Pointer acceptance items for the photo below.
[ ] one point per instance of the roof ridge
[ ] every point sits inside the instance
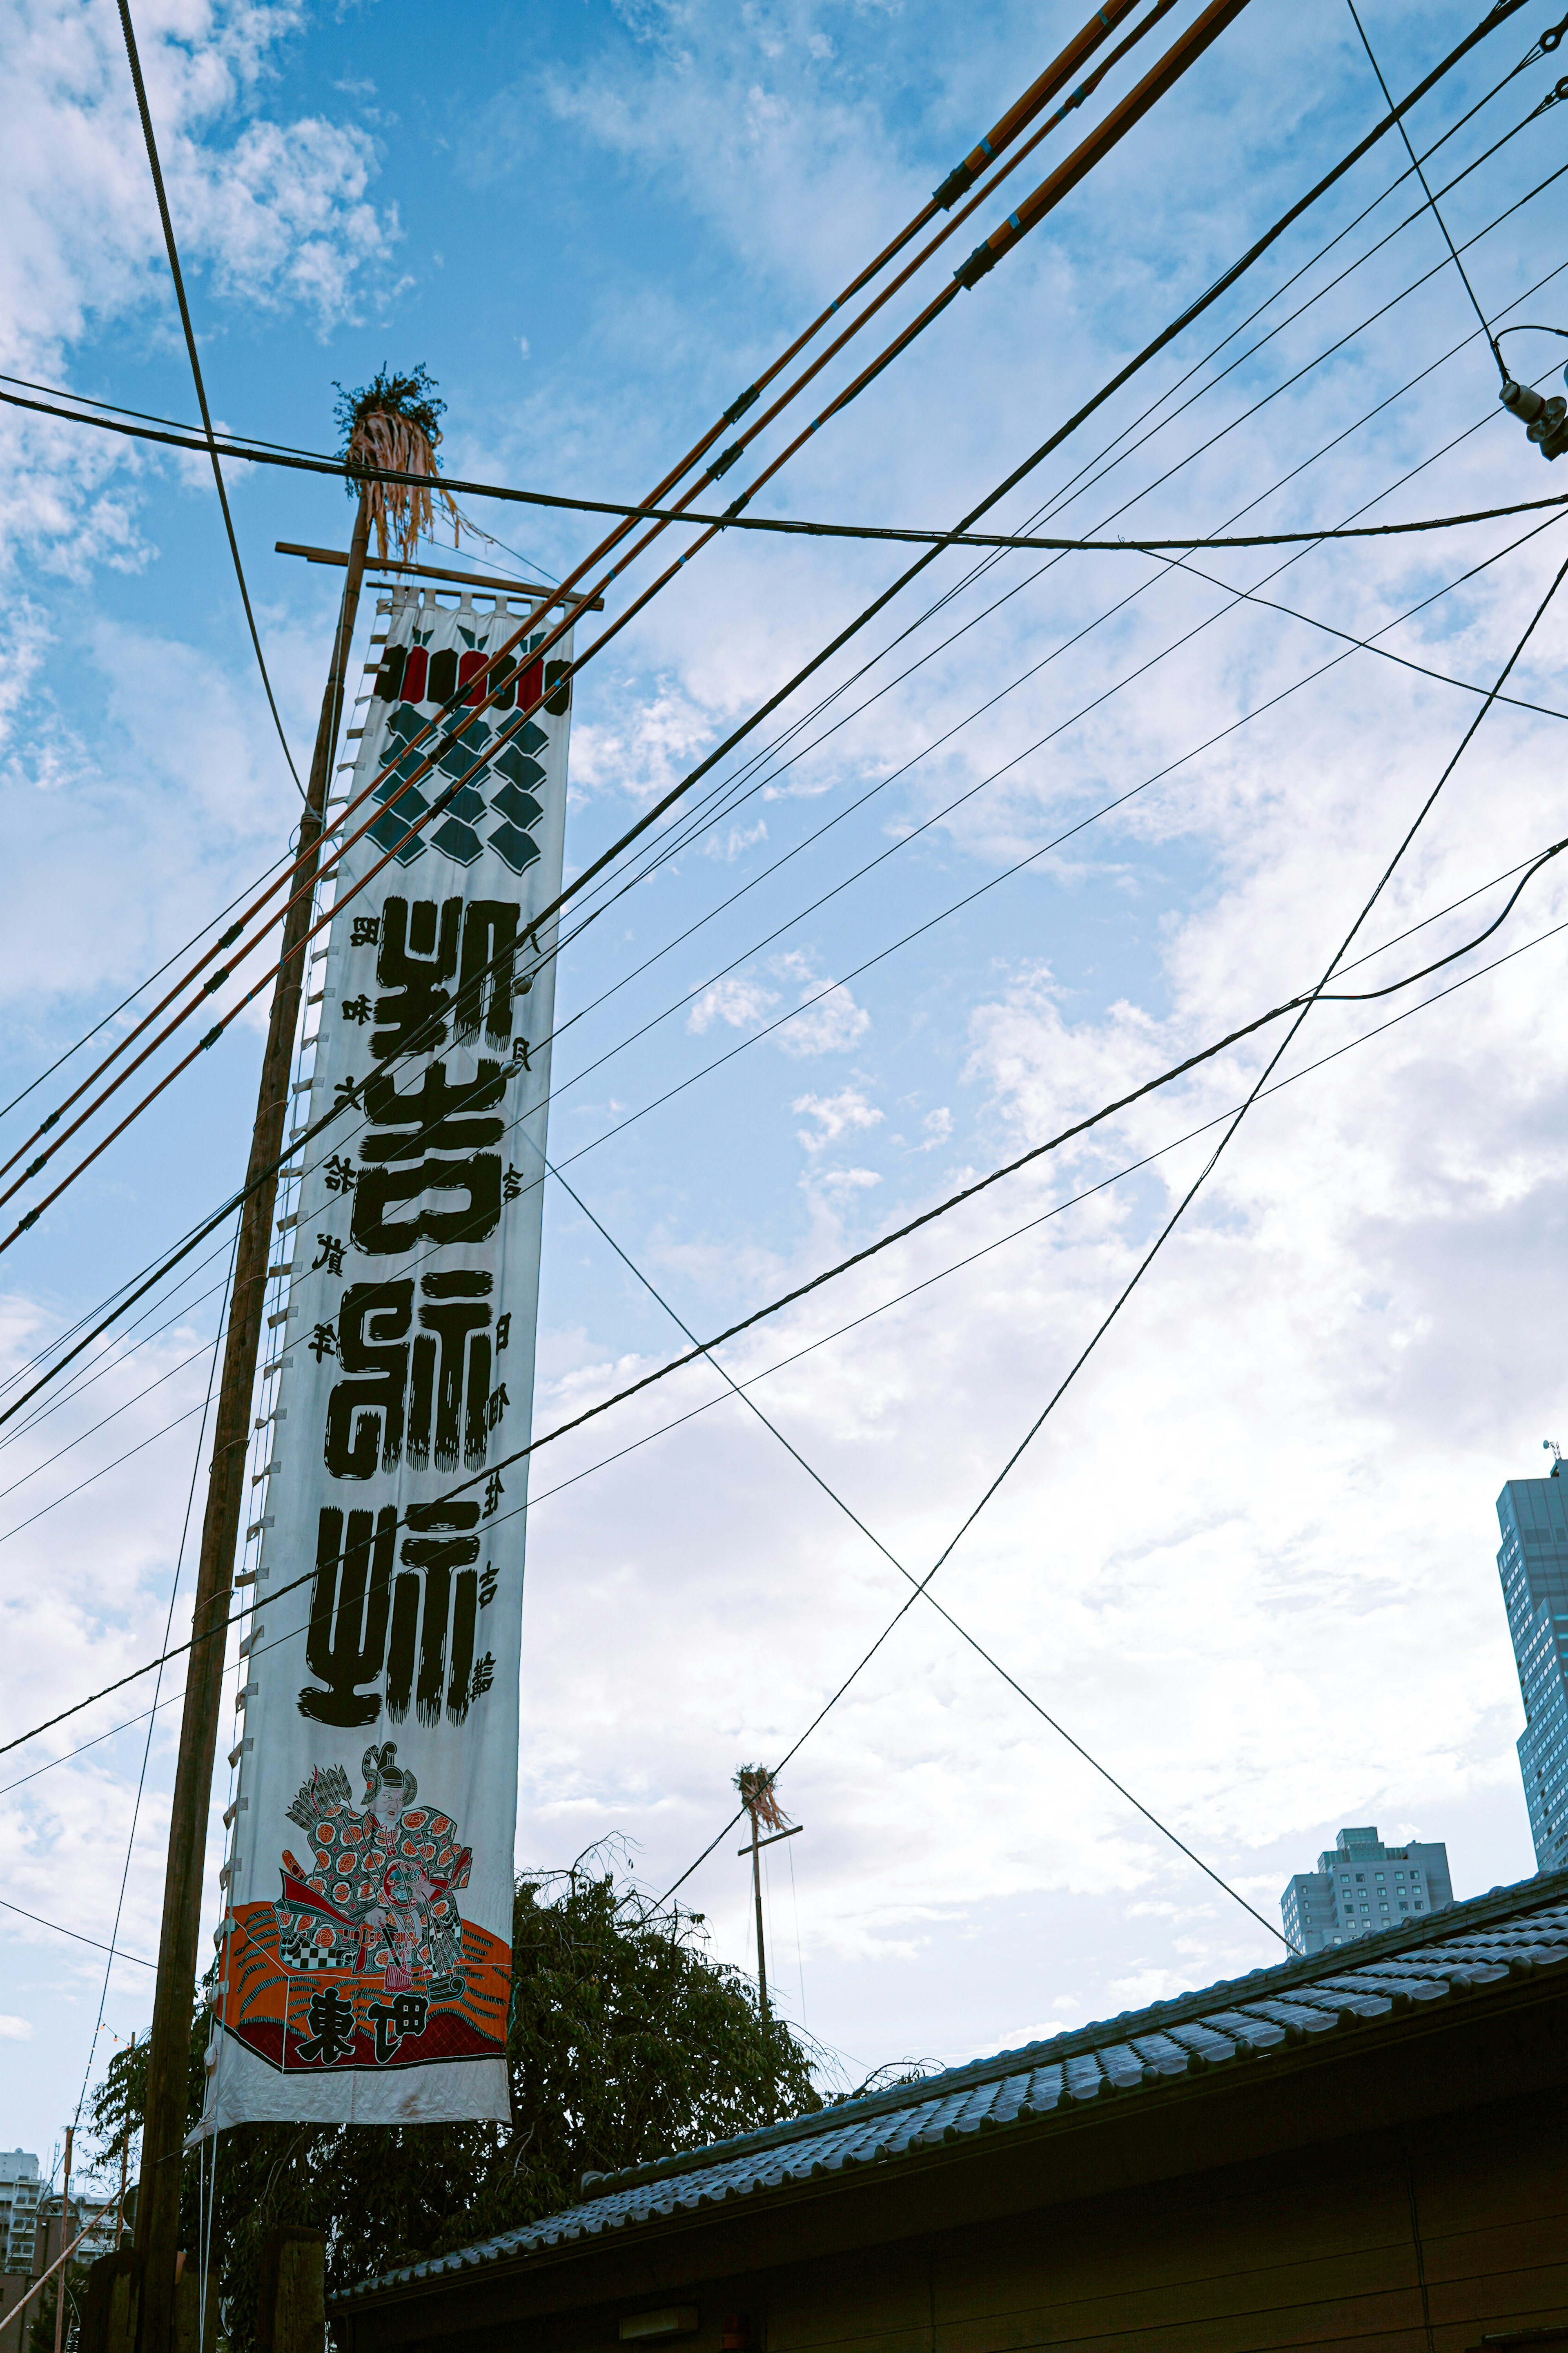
(1301, 1973)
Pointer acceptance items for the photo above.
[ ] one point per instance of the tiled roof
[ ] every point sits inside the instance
(1510, 1933)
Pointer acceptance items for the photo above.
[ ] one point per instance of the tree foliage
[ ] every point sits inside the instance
(626, 2042)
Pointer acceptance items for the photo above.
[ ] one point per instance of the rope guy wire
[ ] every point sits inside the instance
(1163, 1235)
(80, 1939)
(978, 1647)
(168, 1628)
(635, 1445)
(134, 61)
(649, 817)
(1299, 1005)
(1431, 199)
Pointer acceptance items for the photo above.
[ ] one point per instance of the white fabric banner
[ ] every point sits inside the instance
(365, 1949)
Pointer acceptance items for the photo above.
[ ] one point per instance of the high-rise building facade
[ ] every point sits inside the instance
(1533, 1565)
(1363, 1887)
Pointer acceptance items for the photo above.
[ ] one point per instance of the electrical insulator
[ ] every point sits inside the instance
(1545, 421)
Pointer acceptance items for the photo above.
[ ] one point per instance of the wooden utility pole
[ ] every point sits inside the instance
(65, 2240)
(168, 2061)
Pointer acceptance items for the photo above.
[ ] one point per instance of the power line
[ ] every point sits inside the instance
(898, 1299)
(317, 1127)
(209, 443)
(1301, 1005)
(1232, 1126)
(1119, 447)
(147, 1745)
(912, 535)
(1215, 16)
(1230, 276)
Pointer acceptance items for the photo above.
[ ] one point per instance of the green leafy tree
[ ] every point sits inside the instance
(626, 2042)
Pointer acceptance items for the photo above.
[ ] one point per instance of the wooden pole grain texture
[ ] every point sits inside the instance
(168, 2065)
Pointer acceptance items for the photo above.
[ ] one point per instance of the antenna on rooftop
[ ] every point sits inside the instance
(1552, 1447)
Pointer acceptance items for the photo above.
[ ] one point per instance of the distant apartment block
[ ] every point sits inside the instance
(1533, 1565)
(20, 2191)
(1363, 1887)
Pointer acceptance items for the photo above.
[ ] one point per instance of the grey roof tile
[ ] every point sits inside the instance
(1512, 1932)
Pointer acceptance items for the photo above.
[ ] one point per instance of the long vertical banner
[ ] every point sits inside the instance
(365, 1949)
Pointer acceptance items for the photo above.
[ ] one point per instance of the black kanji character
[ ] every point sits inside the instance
(494, 1491)
(356, 1008)
(495, 1405)
(331, 2021)
(504, 1333)
(510, 1183)
(331, 1257)
(339, 1175)
(484, 1676)
(324, 1341)
(520, 1053)
(366, 932)
(406, 2013)
(347, 1093)
(487, 1586)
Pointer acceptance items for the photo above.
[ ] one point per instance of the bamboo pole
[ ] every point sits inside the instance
(65, 2234)
(44, 2277)
(168, 2061)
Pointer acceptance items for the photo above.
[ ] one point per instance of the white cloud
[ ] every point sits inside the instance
(846, 1180)
(835, 1115)
(14, 2030)
(735, 1000)
(729, 846)
(831, 1023)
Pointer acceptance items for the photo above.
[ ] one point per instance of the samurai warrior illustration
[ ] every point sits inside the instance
(381, 1890)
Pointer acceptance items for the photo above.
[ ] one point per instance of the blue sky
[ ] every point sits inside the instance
(1250, 1563)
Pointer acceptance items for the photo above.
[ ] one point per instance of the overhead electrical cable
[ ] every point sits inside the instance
(1002, 133)
(1211, 22)
(147, 1745)
(1305, 538)
(328, 1119)
(1230, 276)
(1006, 542)
(1301, 1006)
(211, 446)
(318, 1126)
(992, 881)
(1166, 1230)
(1000, 1242)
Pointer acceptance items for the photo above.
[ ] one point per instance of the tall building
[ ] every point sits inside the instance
(1363, 1887)
(20, 2189)
(1533, 1565)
